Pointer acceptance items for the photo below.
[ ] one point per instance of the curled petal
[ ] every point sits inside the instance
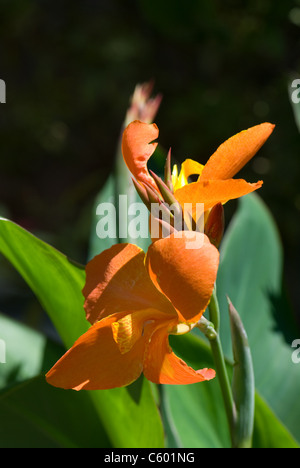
(117, 280)
(184, 267)
(138, 147)
(211, 192)
(95, 362)
(162, 366)
(235, 152)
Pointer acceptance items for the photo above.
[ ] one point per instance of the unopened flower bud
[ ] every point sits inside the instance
(214, 226)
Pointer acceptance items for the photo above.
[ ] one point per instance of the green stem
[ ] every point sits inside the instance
(224, 384)
(209, 330)
(214, 311)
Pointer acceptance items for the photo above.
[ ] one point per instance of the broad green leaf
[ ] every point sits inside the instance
(130, 415)
(55, 279)
(36, 415)
(27, 352)
(196, 413)
(268, 431)
(250, 274)
(106, 195)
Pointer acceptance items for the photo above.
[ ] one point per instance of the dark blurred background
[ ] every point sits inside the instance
(70, 68)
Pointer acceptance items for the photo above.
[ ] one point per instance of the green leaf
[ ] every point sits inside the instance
(27, 352)
(36, 415)
(55, 279)
(106, 195)
(268, 431)
(129, 415)
(250, 274)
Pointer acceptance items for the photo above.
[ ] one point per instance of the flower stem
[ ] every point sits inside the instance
(214, 311)
(210, 332)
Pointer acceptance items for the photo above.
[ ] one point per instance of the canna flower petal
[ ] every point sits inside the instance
(234, 153)
(138, 147)
(95, 362)
(211, 192)
(185, 275)
(117, 280)
(162, 366)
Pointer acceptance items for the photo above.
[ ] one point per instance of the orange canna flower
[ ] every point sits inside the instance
(134, 301)
(215, 183)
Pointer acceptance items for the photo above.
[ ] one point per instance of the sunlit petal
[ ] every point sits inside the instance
(211, 192)
(117, 280)
(184, 268)
(138, 147)
(162, 366)
(95, 361)
(235, 152)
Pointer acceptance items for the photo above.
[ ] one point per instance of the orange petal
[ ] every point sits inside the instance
(96, 363)
(162, 366)
(211, 192)
(137, 149)
(185, 270)
(117, 280)
(232, 155)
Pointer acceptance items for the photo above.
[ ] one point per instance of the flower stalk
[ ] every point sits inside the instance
(210, 332)
(239, 395)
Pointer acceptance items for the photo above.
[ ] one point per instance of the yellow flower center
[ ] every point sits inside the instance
(188, 168)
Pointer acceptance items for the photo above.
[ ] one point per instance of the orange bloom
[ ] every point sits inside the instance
(134, 301)
(215, 182)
